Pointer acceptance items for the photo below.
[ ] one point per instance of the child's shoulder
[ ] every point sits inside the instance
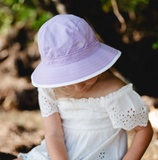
(114, 82)
(109, 83)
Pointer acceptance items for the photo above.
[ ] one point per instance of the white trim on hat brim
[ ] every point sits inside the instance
(81, 79)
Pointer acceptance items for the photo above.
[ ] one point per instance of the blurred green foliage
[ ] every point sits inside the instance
(155, 45)
(131, 5)
(28, 13)
(137, 7)
(125, 5)
(21, 12)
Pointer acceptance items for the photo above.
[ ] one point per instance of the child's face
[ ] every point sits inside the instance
(83, 86)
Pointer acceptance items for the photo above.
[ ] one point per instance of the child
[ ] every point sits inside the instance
(85, 108)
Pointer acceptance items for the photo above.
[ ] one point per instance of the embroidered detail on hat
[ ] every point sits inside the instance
(80, 44)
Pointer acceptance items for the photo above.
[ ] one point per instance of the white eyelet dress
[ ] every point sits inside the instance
(94, 128)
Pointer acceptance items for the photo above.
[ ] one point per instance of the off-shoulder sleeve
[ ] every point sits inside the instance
(128, 109)
(47, 102)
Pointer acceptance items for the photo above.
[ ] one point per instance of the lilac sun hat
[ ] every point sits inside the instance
(70, 53)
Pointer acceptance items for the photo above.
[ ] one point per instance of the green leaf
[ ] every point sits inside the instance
(155, 45)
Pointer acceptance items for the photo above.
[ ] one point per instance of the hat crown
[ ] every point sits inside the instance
(64, 35)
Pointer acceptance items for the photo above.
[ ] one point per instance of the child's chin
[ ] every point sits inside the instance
(83, 90)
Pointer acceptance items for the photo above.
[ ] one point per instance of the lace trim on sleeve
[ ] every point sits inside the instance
(22, 155)
(129, 119)
(47, 103)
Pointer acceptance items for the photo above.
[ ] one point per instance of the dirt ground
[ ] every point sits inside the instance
(22, 130)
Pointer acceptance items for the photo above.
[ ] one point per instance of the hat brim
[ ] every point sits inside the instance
(52, 77)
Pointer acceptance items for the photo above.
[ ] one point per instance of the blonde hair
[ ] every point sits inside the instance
(61, 92)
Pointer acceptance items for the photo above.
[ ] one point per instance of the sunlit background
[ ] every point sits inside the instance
(128, 25)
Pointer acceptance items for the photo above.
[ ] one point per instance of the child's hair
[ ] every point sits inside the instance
(61, 92)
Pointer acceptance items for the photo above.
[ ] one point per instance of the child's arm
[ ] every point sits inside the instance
(54, 137)
(140, 142)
